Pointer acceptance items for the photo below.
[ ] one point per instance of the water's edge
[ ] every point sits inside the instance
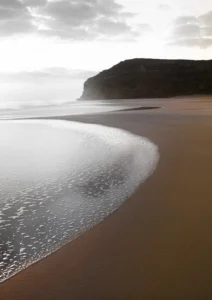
(114, 137)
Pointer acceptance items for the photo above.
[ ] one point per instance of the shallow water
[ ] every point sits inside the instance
(72, 108)
(58, 179)
(75, 108)
(183, 104)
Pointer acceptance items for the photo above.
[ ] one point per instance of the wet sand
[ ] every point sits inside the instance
(158, 245)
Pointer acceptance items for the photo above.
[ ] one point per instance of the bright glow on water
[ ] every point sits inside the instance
(58, 179)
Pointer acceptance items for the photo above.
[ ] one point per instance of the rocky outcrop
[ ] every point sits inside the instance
(150, 78)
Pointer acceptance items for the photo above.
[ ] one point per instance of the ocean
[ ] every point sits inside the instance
(59, 179)
(44, 97)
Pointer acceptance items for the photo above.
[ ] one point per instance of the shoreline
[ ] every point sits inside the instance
(156, 246)
(192, 104)
(130, 161)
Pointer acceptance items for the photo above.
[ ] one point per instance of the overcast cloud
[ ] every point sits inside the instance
(86, 19)
(96, 34)
(98, 20)
(14, 18)
(49, 74)
(69, 19)
(193, 31)
(59, 41)
(164, 7)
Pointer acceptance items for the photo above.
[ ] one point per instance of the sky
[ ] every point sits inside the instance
(45, 40)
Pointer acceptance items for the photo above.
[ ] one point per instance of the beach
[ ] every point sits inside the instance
(158, 244)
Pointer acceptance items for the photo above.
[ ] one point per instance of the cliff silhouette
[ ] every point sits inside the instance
(150, 78)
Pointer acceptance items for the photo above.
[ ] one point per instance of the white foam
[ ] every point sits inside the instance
(59, 179)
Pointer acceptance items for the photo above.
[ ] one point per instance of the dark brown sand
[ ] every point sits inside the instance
(158, 245)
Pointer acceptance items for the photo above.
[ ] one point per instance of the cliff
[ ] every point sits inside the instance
(150, 78)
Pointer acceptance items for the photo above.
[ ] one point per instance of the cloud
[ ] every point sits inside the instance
(11, 4)
(6, 13)
(11, 9)
(68, 19)
(164, 7)
(34, 3)
(48, 74)
(14, 18)
(186, 20)
(17, 26)
(208, 31)
(193, 31)
(143, 28)
(187, 30)
(86, 19)
(193, 42)
(206, 18)
(109, 27)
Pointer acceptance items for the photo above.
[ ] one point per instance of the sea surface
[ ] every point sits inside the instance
(78, 107)
(59, 179)
(72, 108)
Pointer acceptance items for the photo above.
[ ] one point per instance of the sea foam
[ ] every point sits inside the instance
(59, 179)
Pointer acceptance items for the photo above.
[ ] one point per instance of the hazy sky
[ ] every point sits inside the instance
(48, 48)
(95, 34)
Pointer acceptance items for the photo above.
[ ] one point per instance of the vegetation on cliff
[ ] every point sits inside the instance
(150, 78)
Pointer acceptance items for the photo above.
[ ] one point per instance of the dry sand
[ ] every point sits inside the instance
(158, 245)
